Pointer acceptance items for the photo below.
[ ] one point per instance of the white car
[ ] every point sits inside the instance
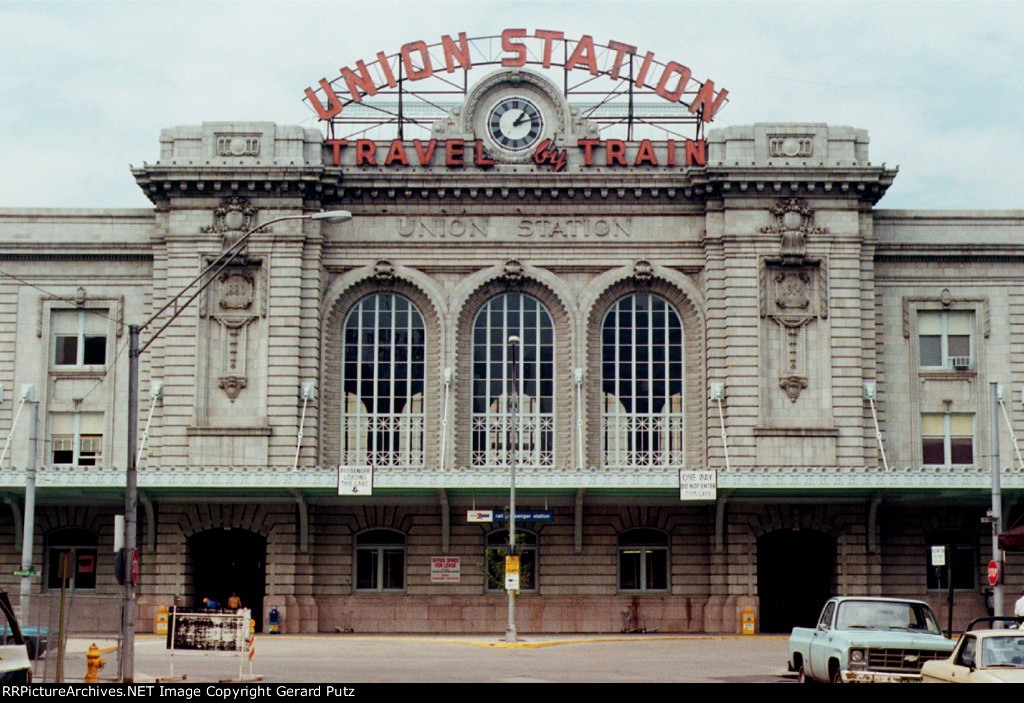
(982, 656)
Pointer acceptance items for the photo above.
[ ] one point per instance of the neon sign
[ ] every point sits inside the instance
(416, 61)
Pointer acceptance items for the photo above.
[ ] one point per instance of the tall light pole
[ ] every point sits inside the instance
(513, 409)
(135, 350)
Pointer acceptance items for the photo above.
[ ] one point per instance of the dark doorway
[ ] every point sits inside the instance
(794, 577)
(230, 560)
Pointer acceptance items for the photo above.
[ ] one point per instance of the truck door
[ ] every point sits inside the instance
(821, 644)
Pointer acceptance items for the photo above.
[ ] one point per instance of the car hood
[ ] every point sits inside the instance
(898, 638)
(1015, 675)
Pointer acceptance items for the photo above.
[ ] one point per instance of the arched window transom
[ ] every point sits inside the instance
(642, 410)
(382, 383)
(513, 314)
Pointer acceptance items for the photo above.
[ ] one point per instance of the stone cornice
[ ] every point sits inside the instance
(161, 183)
(344, 183)
(766, 478)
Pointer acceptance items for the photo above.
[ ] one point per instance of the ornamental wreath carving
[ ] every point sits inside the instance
(794, 289)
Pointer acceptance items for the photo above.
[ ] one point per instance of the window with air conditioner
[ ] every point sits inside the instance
(76, 439)
(944, 339)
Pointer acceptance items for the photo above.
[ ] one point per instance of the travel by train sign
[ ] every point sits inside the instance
(459, 152)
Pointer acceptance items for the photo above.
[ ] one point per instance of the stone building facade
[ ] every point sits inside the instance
(735, 315)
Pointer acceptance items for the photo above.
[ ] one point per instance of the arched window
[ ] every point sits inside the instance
(380, 560)
(513, 314)
(71, 554)
(497, 550)
(642, 414)
(643, 560)
(382, 382)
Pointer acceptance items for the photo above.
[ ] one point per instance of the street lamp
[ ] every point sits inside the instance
(513, 446)
(209, 273)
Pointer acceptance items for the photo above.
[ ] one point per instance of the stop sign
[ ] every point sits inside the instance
(993, 573)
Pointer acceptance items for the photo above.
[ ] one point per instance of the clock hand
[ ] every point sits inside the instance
(519, 120)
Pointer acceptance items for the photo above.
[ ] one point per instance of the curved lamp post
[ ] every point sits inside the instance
(187, 294)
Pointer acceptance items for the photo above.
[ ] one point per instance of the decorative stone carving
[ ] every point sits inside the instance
(790, 146)
(643, 271)
(232, 386)
(238, 144)
(237, 289)
(383, 270)
(793, 222)
(234, 303)
(794, 290)
(233, 217)
(79, 297)
(513, 271)
(793, 385)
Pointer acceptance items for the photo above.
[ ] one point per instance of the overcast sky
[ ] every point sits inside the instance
(85, 87)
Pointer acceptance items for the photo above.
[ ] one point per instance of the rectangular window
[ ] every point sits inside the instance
(947, 439)
(944, 339)
(79, 338)
(76, 439)
(643, 569)
(380, 569)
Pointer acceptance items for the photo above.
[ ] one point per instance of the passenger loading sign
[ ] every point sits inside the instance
(698, 485)
(355, 480)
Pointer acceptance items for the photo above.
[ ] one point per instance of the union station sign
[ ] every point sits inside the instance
(518, 115)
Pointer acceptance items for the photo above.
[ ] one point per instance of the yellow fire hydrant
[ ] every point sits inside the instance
(93, 663)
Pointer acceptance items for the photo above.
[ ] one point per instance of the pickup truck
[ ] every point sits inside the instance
(860, 639)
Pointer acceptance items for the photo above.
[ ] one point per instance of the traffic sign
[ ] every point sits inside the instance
(993, 573)
(30, 572)
(512, 573)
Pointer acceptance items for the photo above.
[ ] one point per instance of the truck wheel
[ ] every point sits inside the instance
(802, 677)
(837, 675)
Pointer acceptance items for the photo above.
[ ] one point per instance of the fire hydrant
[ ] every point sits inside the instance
(93, 663)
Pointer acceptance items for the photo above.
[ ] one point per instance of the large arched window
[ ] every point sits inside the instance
(513, 314)
(642, 414)
(382, 382)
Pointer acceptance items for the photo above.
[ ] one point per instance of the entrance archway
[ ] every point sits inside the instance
(794, 577)
(229, 560)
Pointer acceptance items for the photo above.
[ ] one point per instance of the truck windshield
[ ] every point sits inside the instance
(1006, 650)
(885, 615)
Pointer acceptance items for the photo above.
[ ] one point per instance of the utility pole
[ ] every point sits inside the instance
(135, 349)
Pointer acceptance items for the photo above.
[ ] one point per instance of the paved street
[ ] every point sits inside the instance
(347, 659)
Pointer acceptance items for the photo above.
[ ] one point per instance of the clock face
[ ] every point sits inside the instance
(515, 124)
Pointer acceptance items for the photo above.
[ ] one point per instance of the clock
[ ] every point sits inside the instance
(512, 112)
(515, 123)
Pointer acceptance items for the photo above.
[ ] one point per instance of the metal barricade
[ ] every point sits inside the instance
(59, 634)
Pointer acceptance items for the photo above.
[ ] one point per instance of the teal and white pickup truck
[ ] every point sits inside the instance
(860, 639)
